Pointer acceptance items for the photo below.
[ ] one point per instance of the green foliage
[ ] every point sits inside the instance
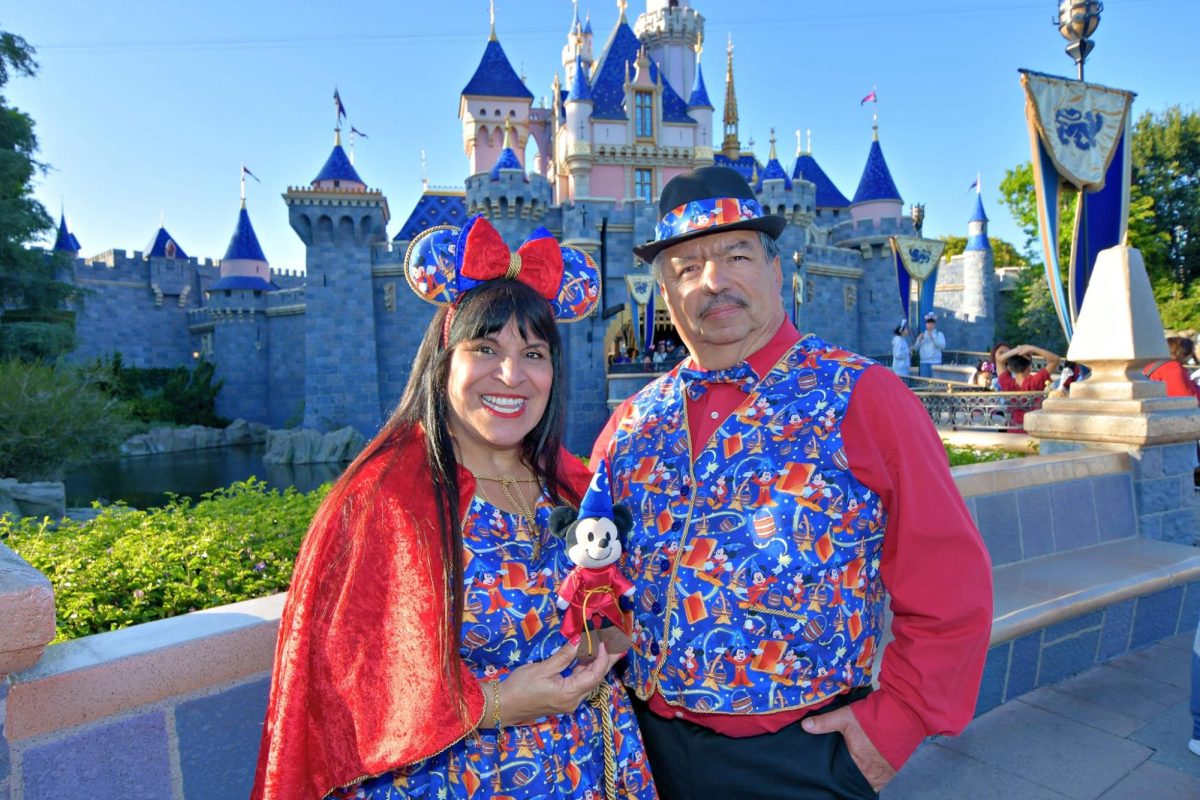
(35, 341)
(1166, 167)
(126, 567)
(1004, 254)
(961, 456)
(28, 278)
(177, 395)
(51, 417)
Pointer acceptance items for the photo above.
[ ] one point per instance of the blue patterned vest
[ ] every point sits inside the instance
(756, 564)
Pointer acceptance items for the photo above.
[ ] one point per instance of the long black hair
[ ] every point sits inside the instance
(424, 409)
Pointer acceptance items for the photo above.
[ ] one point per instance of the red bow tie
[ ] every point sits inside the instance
(538, 263)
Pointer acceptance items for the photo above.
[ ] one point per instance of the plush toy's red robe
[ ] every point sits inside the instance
(358, 687)
(597, 589)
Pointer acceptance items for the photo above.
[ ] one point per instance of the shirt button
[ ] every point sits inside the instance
(678, 715)
(713, 415)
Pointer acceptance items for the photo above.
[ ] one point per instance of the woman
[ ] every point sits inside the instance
(419, 651)
(901, 354)
(1172, 371)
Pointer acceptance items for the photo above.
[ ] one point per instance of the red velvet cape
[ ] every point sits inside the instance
(358, 688)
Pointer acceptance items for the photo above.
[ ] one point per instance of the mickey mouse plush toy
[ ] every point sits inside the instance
(590, 594)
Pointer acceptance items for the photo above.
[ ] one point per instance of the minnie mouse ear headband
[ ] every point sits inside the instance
(703, 201)
(444, 263)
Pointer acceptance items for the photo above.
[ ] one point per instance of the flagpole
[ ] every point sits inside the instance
(243, 185)
(352, 145)
(978, 183)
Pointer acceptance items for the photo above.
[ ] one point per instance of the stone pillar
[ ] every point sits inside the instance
(1119, 331)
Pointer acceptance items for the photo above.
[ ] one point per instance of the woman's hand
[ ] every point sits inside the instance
(539, 689)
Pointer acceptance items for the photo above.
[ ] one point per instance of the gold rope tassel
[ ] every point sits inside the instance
(601, 700)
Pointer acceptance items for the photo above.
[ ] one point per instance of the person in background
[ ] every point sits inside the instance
(901, 352)
(930, 344)
(984, 376)
(660, 353)
(1172, 372)
(1016, 374)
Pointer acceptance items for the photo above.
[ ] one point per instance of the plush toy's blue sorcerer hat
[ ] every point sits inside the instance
(597, 502)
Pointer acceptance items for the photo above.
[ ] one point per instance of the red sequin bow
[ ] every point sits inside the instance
(538, 263)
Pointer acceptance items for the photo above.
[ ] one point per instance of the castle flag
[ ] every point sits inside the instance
(358, 132)
(1079, 134)
(870, 98)
(246, 171)
(337, 101)
(917, 259)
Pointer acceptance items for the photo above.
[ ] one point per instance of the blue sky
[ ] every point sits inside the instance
(149, 108)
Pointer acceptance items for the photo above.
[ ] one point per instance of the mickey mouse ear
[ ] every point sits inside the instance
(429, 265)
(579, 292)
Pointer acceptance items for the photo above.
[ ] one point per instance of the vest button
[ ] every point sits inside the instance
(656, 608)
(678, 715)
(654, 649)
(685, 490)
(676, 525)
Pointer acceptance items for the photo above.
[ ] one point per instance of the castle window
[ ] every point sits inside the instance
(643, 116)
(643, 185)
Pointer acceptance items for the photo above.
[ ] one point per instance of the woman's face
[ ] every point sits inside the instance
(498, 388)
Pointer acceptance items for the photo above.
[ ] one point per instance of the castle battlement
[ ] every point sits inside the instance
(866, 228)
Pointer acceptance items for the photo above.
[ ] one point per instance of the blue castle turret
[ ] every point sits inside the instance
(876, 184)
(64, 240)
(978, 280)
(828, 200)
(977, 238)
(163, 245)
(341, 222)
(241, 344)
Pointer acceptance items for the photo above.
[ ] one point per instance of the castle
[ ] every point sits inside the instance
(333, 345)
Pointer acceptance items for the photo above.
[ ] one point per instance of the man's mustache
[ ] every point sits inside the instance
(723, 299)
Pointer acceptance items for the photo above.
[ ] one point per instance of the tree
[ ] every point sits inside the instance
(1166, 167)
(28, 279)
(1003, 253)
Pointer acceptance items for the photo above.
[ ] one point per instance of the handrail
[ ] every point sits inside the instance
(979, 410)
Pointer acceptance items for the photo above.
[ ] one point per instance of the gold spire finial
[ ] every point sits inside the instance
(621, 6)
(730, 146)
(772, 156)
(799, 143)
(699, 46)
(492, 15)
(508, 129)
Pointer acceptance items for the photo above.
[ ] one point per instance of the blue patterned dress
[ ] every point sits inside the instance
(511, 619)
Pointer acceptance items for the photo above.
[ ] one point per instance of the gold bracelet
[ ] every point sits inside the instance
(496, 704)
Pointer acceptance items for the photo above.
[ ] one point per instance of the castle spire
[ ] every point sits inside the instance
(731, 147)
(492, 17)
(772, 156)
(799, 143)
(699, 96)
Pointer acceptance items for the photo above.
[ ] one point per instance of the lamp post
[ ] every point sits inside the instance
(918, 218)
(1077, 20)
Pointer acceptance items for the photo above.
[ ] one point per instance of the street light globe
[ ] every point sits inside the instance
(1078, 19)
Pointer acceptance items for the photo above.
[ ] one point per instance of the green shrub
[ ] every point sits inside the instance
(35, 341)
(126, 567)
(176, 395)
(51, 417)
(961, 456)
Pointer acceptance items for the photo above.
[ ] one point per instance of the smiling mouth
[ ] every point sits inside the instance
(602, 556)
(504, 406)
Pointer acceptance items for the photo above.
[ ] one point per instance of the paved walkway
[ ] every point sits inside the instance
(1119, 730)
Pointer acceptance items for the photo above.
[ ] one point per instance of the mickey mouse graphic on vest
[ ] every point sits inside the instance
(590, 594)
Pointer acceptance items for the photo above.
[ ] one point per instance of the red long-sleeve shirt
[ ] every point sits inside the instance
(1172, 373)
(934, 563)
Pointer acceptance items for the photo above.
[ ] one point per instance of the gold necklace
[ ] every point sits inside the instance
(510, 486)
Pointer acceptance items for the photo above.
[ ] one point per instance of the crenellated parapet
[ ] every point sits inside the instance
(337, 216)
(510, 195)
(850, 233)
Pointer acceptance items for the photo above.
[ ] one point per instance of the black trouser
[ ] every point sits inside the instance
(691, 762)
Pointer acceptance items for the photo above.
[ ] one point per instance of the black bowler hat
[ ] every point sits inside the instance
(703, 201)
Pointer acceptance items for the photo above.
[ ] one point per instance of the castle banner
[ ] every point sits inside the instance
(916, 259)
(1079, 135)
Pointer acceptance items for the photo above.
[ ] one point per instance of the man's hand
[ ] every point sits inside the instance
(873, 766)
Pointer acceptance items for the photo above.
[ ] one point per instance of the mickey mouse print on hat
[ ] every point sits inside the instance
(445, 262)
(595, 535)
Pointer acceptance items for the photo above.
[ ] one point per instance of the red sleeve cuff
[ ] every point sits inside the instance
(892, 727)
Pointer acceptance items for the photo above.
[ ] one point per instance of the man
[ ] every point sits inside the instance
(1015, 373)
(857, 500)
(930, 344)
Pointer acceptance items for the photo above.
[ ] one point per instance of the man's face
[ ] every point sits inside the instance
(721, 289)
(930, 325)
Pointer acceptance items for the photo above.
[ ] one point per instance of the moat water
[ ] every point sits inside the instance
(146, 481)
